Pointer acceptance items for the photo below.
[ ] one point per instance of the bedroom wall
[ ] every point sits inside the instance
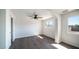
(8, 28)
(69, 37)
(25, 26)
(2, 28)
(9, 14)
(49, 31)
(58, 32)
(5, 28)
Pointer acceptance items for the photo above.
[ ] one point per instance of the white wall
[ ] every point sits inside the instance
(8, 29)
(25, 26)
(49, 31)
(2, 28)
(70, 38)
(5, 28)
(58, 31)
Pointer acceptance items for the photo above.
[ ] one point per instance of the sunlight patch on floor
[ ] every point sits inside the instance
(40, 36)
(59, 46)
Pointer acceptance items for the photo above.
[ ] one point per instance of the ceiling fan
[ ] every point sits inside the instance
(35, 16)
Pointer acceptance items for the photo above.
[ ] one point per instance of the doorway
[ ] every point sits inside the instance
(11, 30)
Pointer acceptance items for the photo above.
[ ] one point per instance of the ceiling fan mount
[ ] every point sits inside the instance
(35, 16)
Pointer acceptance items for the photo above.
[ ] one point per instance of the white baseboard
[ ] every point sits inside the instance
(71, 43)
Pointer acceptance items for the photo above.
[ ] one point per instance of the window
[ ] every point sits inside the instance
(73, 23)
(49, 23)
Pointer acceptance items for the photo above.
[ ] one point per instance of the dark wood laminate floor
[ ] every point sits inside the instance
(36, 42)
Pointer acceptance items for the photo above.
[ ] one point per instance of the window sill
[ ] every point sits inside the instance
(73, 32)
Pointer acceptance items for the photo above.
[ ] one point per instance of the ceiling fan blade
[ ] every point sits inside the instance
(34, 16)
(40, 17)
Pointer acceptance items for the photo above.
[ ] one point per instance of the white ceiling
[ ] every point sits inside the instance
(45, 13)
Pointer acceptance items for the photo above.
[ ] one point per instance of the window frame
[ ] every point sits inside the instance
(73, 32)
